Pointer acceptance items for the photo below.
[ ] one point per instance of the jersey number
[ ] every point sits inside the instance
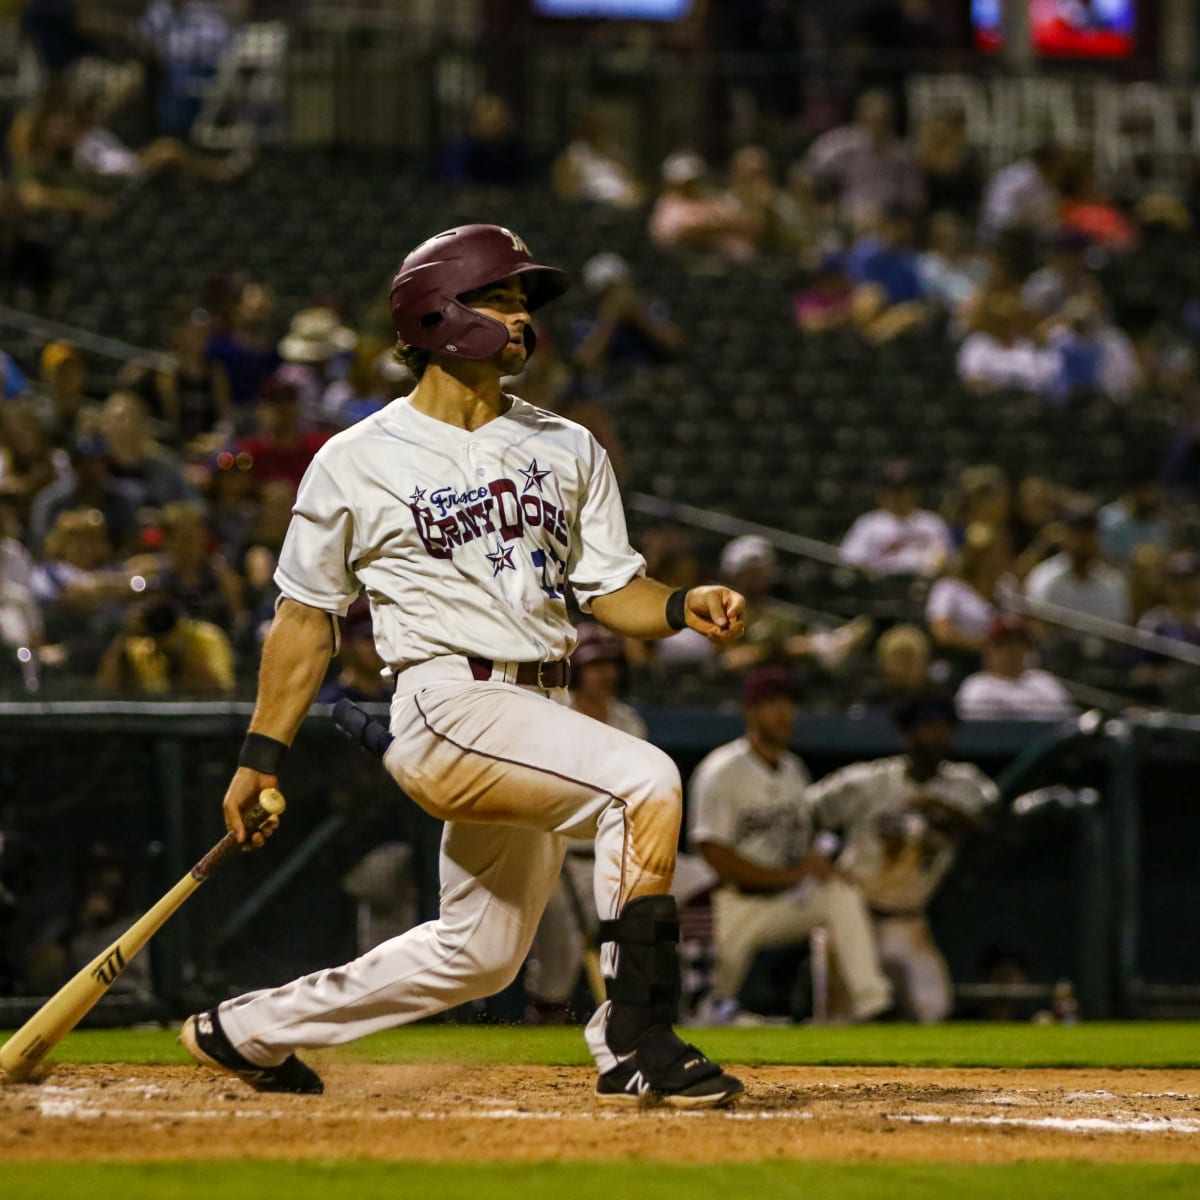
(551, 567)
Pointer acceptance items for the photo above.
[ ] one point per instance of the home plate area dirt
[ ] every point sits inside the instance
(473, 1114)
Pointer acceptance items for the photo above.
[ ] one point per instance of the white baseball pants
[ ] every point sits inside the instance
(511, 771)
(924, 989)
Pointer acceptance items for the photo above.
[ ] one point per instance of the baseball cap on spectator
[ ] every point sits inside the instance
(750, 550)
(932, 704)
(896, 474)
(316, 335)
(683, 167)
(57, 353)
(765, 683)
(1008, 625)
(601, 271)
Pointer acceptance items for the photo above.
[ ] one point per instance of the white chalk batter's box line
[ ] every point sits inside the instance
(1133, 1123)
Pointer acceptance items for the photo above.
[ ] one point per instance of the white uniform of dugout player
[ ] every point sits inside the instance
(463, 512)
(903, 820)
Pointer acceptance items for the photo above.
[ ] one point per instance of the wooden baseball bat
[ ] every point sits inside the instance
(22, 1053)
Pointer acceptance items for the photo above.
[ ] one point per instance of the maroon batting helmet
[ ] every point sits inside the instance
(426, 309)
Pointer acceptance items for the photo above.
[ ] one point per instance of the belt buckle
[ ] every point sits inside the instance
(547, 687)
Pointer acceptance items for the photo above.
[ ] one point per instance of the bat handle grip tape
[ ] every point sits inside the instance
(253, 818)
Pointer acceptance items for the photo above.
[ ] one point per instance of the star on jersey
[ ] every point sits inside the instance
(417, 496)
(533, 477)
(503, 557)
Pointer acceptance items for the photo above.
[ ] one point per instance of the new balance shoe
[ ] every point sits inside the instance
(205, 1040)
(624, 1084)
(667, 1070)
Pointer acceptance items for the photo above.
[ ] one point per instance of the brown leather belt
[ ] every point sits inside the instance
(545, 675)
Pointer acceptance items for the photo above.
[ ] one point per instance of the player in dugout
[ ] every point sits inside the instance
(464, 513)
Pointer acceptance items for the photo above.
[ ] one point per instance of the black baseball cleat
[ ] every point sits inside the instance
(691, 1081)
(205, 1040)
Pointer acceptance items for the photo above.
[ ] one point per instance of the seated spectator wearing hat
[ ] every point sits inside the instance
(360, 674)
(27, 458)
(591, 168)
(897, 538)
(90, 485)
(318, 346)
(774, 629)
(62, 395)
(152, 475)
(626, 329)
(902, 657)
(242, 345)
(598, 668)
(1176, 618)
(281, 449)
(1000, 354)
(889, 292)
(902, 821)
(162, 651)
(748, 815)
(1078, 579)
(691, 216)
(1009, 688)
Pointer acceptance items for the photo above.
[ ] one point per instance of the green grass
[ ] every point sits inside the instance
(263, 1180)
(1158, 1044)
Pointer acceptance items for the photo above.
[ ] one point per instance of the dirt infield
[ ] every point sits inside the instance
(474, 1114)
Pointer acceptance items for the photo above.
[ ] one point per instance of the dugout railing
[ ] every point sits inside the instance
(1089, 873)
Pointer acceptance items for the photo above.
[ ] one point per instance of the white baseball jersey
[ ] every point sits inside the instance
(1034, 696)
(463, 539)
(896, 857)
(737, 799)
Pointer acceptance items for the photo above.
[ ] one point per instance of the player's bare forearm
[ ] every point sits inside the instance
(294, 660)
(639, 610)
(734, 870)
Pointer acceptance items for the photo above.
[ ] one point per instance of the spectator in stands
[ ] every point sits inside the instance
(691, 216)
(373, 379)
(1064, 274)
(981, 496)
(492, 152)
(103, 159)
(245, 354)
(1078, 579)
(188, 38)
(1010, 688)
(1038, 530)
(41, 148)
(999, 353)
(952, 168)
(164, 651)
(193, 571)
(808, 225)
(89, 485)
(21, 623)
(902, 821)
(1177, 618)
(950, 271)
(1094, 355)
(1084, 210)
(889, 296)
(902, 657)
(282, 448)
(193, 392)
(752, 184)
(775, 631)
(318, 348)
(231, 500)
(63, 392)
(1023, 197)
(13, 384)
(626, 328)
(749, 817)
(76, 576)
(1136, 519)
(824, 303)
(866, 165)
(897, 538)
(151, 474)
(962, 604)
(592, 169)
(360, 669)
(26, 457)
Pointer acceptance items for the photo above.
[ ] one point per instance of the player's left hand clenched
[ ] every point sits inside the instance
(717, 612)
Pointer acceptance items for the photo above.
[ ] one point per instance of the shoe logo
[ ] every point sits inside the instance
(695, 1062)
(638, 1084)
(204, 1024)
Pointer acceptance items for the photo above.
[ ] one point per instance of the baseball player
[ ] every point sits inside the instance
(749, 816)
(464, 513)
(902, 820)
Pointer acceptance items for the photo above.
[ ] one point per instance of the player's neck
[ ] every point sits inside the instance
(466, 396)
(766, 748)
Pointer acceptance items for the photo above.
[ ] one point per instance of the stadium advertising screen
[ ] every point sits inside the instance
(620, 10)
(1064, 28)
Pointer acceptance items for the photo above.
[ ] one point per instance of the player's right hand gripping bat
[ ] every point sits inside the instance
(22, 1053)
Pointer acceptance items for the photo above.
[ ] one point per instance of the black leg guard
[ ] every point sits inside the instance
(645, 1003)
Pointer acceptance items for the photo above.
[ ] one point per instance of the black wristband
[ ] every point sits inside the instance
(677, 608)
(262, 754)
